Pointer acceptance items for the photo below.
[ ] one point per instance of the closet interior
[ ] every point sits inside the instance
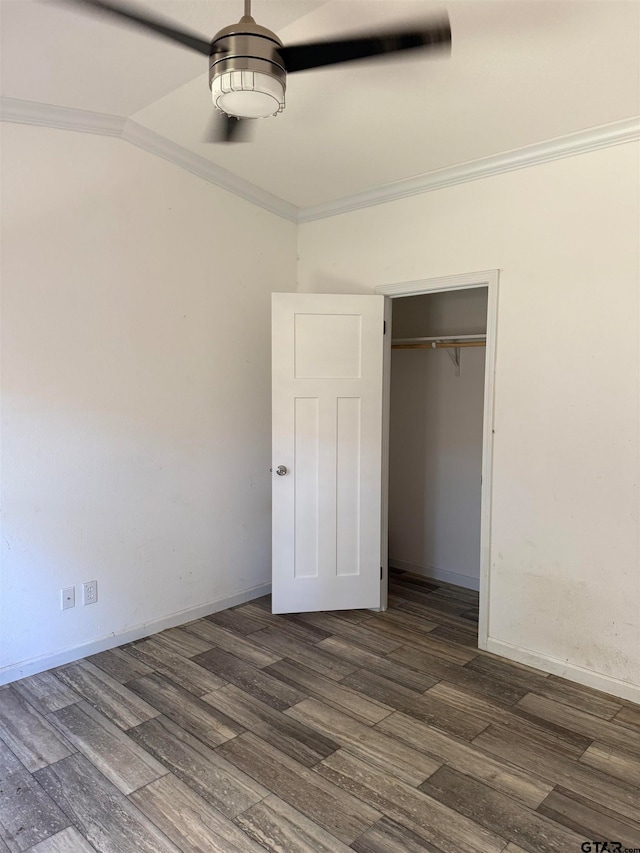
(436, 440)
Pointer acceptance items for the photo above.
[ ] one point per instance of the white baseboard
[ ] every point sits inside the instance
(40, 664)
(572, 672)
(436, 574)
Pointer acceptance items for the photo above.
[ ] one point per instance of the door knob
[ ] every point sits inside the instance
(281, 470)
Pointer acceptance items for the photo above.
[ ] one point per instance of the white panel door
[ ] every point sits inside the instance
(327, 433)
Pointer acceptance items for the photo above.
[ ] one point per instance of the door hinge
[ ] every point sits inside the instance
(384, 327)
(381, 573)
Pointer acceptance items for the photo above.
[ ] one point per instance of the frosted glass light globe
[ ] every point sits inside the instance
(247, 94)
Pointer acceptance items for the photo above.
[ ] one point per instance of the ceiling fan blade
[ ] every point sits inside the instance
(224, 128)
(300, 57)
(141, 18)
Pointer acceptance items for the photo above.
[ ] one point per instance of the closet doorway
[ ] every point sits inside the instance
(439, 399)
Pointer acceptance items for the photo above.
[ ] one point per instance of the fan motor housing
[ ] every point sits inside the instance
(246, 47)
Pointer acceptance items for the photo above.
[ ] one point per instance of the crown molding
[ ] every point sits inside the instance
(617, 133)
(64, 118)
(146, 139)
(85, 121)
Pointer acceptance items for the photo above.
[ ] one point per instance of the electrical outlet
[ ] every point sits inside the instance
(90, 592)
(68, 595)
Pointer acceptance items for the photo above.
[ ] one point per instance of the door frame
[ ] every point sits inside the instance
(465, 281)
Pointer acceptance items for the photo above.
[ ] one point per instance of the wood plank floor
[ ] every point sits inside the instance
(316, 733)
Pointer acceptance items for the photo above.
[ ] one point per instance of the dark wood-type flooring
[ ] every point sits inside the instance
(373, 732)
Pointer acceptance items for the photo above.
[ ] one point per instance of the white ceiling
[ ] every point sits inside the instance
(520, 72)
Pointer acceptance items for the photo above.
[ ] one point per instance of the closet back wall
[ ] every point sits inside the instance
(436, 439)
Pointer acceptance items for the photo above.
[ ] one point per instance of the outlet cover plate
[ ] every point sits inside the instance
(90, 592)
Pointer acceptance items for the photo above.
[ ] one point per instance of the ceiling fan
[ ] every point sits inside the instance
(248, 64)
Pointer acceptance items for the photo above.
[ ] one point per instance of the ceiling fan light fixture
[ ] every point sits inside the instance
(248, 63)
(247, 94)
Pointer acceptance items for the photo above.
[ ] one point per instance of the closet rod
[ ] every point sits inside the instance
(439, 338)
(437, 345)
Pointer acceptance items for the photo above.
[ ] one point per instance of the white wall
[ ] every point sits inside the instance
(435, 442)
(135, 378)
(565, 579)
(136, 391)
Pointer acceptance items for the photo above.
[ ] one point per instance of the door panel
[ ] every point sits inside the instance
(327, 431)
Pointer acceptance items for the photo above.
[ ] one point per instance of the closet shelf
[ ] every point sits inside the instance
(440, 342)
(448, 342)
(439, 345)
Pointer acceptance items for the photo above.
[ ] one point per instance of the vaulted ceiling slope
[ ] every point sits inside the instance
(519, 73)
